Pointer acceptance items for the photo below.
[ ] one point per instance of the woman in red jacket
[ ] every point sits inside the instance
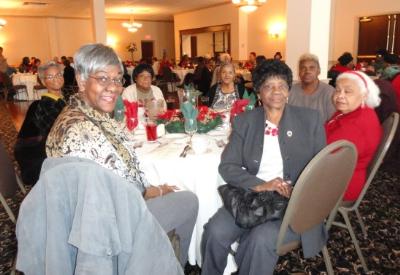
(356, 121)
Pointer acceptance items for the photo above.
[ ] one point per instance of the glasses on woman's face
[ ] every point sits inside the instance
(52, 77)
(105, 81)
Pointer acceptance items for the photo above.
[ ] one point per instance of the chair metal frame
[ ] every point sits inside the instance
(389, 127)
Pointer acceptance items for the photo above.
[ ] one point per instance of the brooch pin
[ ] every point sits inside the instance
(289, 133)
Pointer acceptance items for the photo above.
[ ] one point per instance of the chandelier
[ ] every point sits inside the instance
(132, 26)
(248, 5)
(2, 23)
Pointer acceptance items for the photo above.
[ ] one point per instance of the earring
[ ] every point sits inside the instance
(287, 99)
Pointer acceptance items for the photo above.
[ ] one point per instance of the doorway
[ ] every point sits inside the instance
(193, 46)
(205, 41)
(378, 32)
(147, 49)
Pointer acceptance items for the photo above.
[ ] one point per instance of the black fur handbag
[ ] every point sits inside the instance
(250, 208)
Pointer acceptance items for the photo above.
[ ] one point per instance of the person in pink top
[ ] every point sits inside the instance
(355, 120)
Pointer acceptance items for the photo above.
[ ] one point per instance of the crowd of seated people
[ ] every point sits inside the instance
(315, 113)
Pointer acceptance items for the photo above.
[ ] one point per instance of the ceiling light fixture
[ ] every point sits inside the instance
(248, 5)
(2, 23)
(365, 19)
(31, 3)
(132, 26)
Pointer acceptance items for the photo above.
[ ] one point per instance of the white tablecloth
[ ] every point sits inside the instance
(197, 173)
(181, 73)
(29, 80)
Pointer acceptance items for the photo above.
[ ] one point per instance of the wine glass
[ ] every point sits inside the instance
(190, 127)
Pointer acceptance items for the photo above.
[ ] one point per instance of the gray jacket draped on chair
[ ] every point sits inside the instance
(301, 137)
(81, 218)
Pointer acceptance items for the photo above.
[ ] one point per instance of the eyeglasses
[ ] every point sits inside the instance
(106, 81)
(51, 77)
(271, 88)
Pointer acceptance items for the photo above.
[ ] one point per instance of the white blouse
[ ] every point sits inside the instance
(271, 165)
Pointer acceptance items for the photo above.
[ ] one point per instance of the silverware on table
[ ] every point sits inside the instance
(185, 151)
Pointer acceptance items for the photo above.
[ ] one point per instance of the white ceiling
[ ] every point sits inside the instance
(142, 9)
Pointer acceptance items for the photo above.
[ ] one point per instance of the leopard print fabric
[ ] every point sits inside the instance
(81, 131)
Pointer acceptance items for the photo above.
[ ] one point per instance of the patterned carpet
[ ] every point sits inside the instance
(380, 210)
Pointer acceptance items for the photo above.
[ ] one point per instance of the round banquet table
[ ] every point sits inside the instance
(181, 73)
(198, 173)
(28, 79)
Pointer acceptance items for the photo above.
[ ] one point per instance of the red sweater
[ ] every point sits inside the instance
(362, 128)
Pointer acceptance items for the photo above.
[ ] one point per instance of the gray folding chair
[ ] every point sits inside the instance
(317, 193)
(389, 130)
(9, 181)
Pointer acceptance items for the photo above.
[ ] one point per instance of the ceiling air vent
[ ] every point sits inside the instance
(30, 3)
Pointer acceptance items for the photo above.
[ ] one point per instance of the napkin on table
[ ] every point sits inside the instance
(131, 111)
(189, 111)
(239, 107)
(119, 109)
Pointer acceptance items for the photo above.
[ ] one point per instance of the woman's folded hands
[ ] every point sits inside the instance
(277, 184)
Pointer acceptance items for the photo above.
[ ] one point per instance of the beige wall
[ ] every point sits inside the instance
(162, 33)
(270, 15)
(27, 36)
(218, 15)
(346, 21)
(47, 37)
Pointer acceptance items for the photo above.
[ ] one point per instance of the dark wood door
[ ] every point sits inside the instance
(193, 46)
(147, 49)
(381, 32)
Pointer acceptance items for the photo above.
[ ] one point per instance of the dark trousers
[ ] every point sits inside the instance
(256, 252)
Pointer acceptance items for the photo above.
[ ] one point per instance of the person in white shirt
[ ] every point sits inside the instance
(142, 90)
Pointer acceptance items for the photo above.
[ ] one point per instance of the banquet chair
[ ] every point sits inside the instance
(317, 194)
(20, 89)
(389, 130)
(36, 90)
(9, 182)
(89, 222)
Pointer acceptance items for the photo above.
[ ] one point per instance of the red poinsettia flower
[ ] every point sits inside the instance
(168, 115)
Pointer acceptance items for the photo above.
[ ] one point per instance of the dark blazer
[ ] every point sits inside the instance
(301, 137)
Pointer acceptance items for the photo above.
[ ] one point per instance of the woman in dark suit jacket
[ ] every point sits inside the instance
(268, 148)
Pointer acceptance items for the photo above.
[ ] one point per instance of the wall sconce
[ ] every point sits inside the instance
(2, 23)
(276, 30)
(111, 40)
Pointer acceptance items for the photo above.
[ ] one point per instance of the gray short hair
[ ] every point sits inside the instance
(369, 88)
(91, 58)
(43, 68)
(309, 57)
